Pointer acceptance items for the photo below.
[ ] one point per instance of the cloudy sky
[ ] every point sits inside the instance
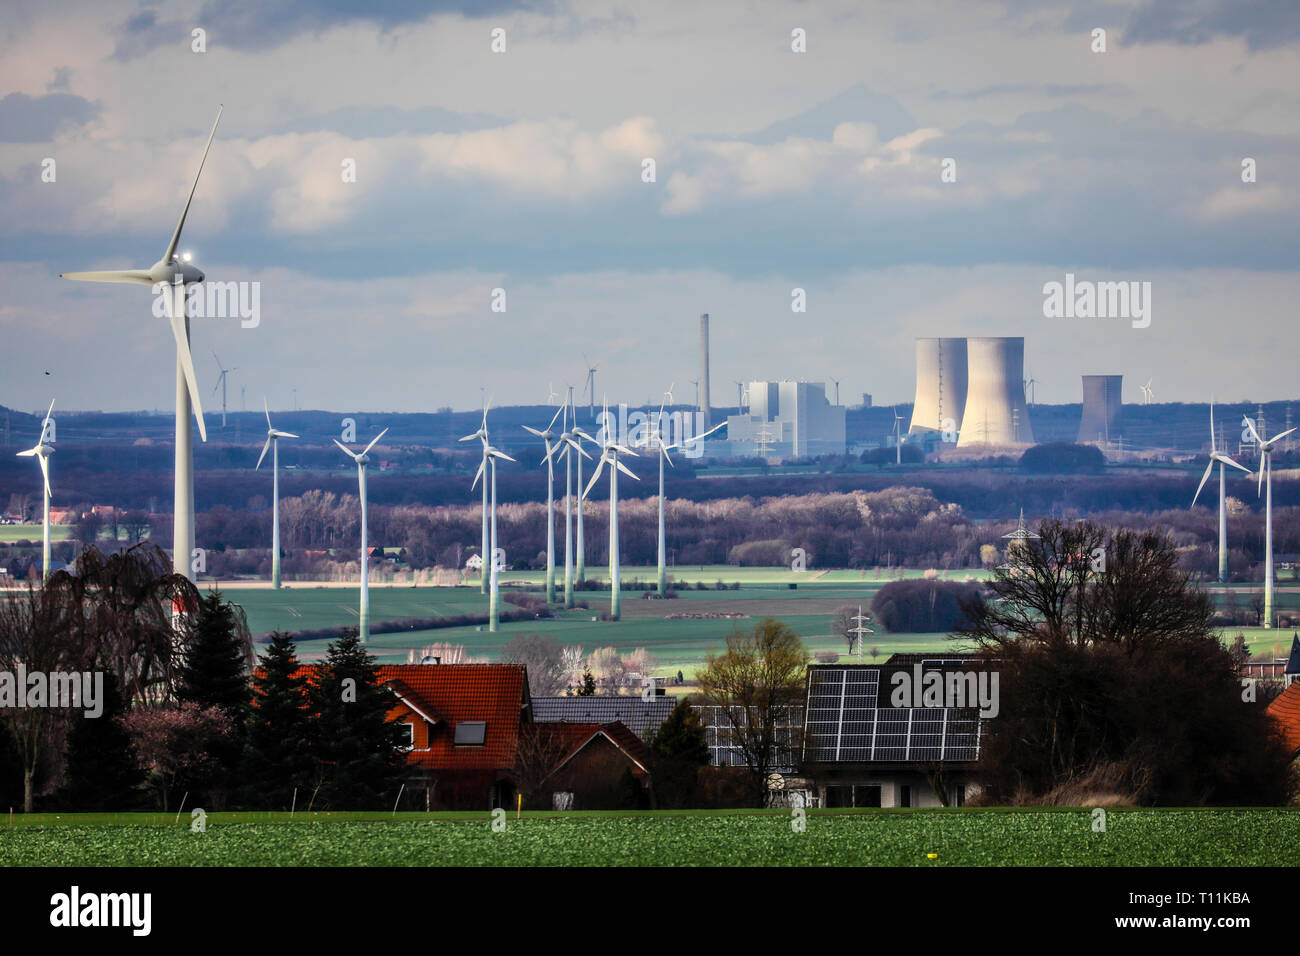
(523, 170)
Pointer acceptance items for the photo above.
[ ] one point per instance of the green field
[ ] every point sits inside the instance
(10, 533)
(962, 837)
(679, 644)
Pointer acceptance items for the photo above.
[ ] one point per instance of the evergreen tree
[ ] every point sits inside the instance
(588, 688)
(677, 750)
(354, 747)
(214, 674)
(276, 758)
(102, 770)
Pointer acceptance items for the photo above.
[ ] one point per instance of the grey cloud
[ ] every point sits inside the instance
(36, 119)
(857, 104)
(377, 121)
(1263, 24)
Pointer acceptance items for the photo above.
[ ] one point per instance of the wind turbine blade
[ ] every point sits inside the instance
(584, 436)
(624, 450)
(594, 475)
(45, 471)
(1204, 478)
(502, 455)
(28, 453)
(478, 474)
(176, 236)
(710, 431)
(265, 449)
(668, 457)
(1262, 466)
(625, 470)
(132, 276)
(1213, 447)
(1277, 438)
(184, 357)
(48, 413)
(470, 437)
(266, 408)
(1228, 461)
(531, 430)
(346, 450)
(553, 418)
(280, 434)
(375, 441)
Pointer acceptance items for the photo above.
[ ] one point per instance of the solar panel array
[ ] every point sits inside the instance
(724, 749)
(845, 723)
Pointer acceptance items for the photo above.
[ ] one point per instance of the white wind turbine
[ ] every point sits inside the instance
(898, 437)
(581, 436)
(362, 460)
(610, 450)
(1218, 458)
(273, 437)
(482, 436)
(490, 456)
(547, 436)
(655, 439)
(42, 452)
(170, 276)
(1266, 478)
(572, 447)
(222, 373)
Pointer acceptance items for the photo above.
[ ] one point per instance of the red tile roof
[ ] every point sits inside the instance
(438, 696)
(1285, 709)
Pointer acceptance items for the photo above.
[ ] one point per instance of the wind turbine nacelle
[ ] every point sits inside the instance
(168, 271)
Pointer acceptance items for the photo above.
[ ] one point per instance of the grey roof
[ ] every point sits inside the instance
(637, 715)
(1293, 663)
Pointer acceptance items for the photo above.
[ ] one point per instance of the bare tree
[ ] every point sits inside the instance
(757, 683)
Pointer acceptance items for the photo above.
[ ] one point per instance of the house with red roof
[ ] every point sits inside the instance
(1285, 708)
(472, 742)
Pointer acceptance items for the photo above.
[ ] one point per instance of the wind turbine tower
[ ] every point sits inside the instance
(273, 437)
(362, 460)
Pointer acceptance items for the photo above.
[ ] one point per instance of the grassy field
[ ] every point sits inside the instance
(964, 837)
(10, 533)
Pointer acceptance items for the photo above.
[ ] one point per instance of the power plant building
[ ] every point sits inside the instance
(784, 420)
(1103, 407)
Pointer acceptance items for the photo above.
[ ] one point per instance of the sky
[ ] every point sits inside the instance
(525, 171)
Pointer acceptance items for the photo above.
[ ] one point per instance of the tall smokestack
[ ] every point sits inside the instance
(704, 372)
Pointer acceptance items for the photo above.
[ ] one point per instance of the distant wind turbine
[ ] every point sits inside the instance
(273, 437)
(490, 456)
(898, 437)
(656, 441)
(42, 451)
(571, 448)
(610, 450)
(1266, 478)
(547, 436)
(482, 436)
(581, 436)
(591, 386)
(362, 460)
(221, 384)
(177, 274)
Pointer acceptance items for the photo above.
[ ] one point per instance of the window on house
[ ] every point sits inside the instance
(471, 733)
(406, 740)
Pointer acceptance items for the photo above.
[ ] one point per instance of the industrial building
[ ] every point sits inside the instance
(784, 419)
(995, 412)
(1103, 407)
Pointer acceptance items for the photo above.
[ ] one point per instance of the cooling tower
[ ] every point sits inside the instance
(995, 412)
(940, 384)
(1102, 408)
